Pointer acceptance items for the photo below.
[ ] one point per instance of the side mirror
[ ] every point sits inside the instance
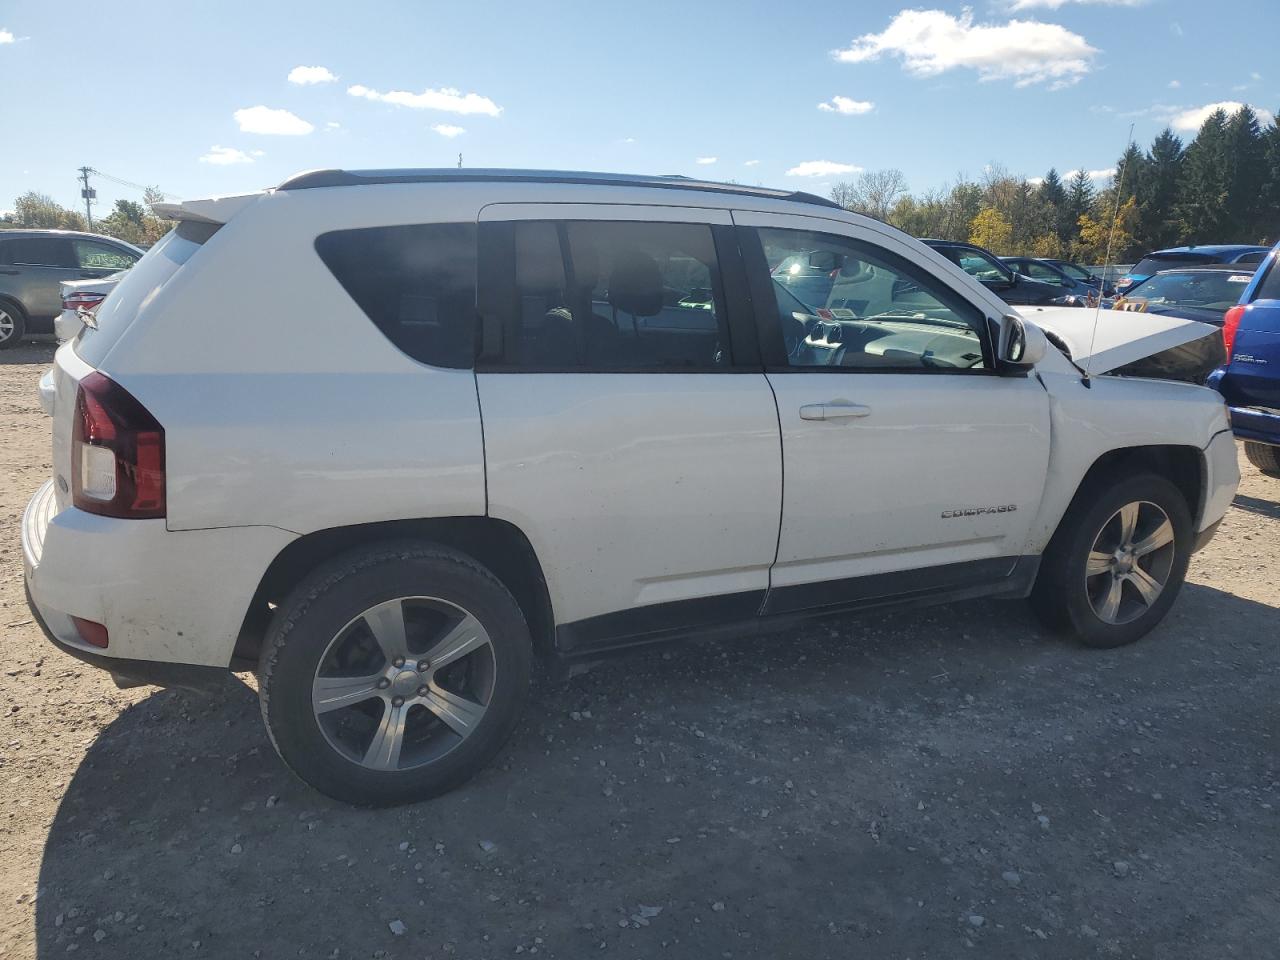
(1022, 344)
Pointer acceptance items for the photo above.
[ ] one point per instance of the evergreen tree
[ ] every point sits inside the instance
(1270, 214)
(1131, 172)
(1203, 187)
(1079, 203)
(1158, 224)
(1246, 178)
(1054, 196)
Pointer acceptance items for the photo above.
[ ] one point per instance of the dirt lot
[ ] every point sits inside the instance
(944, 783)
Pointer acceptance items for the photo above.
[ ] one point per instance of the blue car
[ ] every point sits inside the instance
(1243, 254)
(1250, 381)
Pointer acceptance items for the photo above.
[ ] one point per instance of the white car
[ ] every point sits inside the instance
(387, 437)
(80, 298)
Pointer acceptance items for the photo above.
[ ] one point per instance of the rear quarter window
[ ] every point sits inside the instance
(1269, 289)
(417, 284)
(1149, 265)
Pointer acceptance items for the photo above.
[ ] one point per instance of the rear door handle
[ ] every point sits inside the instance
(833, 410)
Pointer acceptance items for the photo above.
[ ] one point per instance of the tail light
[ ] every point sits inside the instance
(117, 453)
(82, 301)
(1230, 327)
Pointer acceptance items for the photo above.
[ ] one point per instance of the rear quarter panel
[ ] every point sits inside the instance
(282, 403)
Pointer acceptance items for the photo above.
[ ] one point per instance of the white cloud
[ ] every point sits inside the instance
(7, 37)
(333, 125)
(931, 42)
(305, 76)
(627, 140)
(847, 106)
(266, 120)
(1176, 29)
(1105, 174)
(1055, 4)
(446, 99)
(448, 130)
(1035, 181)
(705, 161)
(751, 163)
(821, 168)
(1174, 84)
(1255, 76)
(1193, 118)
(225, 156)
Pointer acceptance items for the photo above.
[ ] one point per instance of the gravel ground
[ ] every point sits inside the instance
(942, 783)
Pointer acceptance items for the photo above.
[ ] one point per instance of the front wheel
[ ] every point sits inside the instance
(1114, 568)
(394, 673)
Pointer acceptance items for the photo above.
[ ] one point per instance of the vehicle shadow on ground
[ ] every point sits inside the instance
(32, 350)
(1256, 505)
(899, 784)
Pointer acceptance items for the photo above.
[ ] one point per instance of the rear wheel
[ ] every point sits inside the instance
(13, 324)
(1115, 566)
(394, 674)
(1263, 456)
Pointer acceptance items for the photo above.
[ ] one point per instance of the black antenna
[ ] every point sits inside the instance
(1106, 266)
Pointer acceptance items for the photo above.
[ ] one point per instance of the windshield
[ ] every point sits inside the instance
(1207, 289)
(1165, 261)
(137, 286)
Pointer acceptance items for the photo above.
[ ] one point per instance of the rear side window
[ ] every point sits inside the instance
(597, 296)
(40, 252)
(92, 254)
(1269, 289)
(416, 283)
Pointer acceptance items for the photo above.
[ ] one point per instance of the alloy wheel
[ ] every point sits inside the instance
(404, 683)
(7, 326)
(1130, 562)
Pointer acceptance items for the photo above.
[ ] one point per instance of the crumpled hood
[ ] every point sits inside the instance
(1122, 337)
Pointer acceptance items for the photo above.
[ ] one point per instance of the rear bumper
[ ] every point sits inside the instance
(1251, 423)
(166, 598)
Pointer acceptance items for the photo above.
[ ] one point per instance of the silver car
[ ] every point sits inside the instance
(33, 264)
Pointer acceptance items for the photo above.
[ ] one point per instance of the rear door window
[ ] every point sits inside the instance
(598, 296)
(417, 284)
(41, 252)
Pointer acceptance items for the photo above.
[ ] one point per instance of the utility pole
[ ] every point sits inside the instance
(459, 161)
(88, 193)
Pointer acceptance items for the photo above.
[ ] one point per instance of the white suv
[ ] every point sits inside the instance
(389, 437)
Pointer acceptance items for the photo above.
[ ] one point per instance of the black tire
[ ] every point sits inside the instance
(336, 595)
(1263, 456)
(1061, 596)
(13, 324)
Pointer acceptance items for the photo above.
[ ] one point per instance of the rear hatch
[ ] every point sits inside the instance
(86, 352)
(1253, 376)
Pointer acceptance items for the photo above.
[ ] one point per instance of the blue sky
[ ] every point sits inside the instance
(170, 93)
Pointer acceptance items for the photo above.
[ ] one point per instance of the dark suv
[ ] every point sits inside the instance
(1001, 279)
(34, 262)
(1250, 381)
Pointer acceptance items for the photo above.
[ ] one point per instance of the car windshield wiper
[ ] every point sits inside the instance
(916, 318)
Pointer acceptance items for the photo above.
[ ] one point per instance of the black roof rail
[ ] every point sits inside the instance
(350, 178)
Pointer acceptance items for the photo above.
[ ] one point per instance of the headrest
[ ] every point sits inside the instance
(635, 286)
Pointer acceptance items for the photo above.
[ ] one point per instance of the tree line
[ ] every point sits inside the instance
(1222, 187)
(128, 220)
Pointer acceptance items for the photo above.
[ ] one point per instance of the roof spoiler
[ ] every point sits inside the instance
(214, 210)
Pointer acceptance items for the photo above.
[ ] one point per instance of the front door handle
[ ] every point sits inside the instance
(833, 410)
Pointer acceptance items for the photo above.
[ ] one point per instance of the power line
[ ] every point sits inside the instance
(129, 183)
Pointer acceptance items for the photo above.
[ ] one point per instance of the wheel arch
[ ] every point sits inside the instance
(1184, 465)
(500, 546)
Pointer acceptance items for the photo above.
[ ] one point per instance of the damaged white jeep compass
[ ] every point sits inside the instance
(387, 437)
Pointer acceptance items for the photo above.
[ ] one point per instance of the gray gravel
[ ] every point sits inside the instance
(933, 784)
